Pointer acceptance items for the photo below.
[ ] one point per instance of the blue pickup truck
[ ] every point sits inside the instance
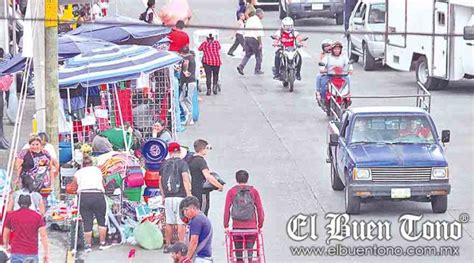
(391, 153)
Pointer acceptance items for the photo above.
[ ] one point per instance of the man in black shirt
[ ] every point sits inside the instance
(200, 173)
(174, 187)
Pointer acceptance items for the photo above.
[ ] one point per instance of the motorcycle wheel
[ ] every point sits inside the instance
(291, 79)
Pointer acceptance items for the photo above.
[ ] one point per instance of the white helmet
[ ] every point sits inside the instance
(326, 42)
(287, 24)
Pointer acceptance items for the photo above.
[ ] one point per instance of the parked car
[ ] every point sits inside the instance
(312, 8)
(368, 16)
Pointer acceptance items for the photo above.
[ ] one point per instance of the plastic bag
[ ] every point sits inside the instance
(175, 10)
(148, 236)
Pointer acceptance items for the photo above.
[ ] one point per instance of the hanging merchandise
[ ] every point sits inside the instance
(123, 111)
(89, 118)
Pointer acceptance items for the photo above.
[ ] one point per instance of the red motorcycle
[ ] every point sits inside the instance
(338, 88)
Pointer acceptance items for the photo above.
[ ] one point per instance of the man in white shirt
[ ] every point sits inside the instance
(253, 42)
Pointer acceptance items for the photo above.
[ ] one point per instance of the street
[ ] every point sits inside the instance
(280, 138)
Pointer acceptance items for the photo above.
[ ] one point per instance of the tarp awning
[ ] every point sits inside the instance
(108, 65)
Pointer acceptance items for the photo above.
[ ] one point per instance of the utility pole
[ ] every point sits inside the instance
(51, 76)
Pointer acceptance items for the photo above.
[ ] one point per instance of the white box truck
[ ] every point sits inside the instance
(444, 51)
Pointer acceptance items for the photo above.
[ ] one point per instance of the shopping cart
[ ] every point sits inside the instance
(244, 245)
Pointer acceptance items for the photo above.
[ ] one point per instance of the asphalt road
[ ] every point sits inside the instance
(280, 138)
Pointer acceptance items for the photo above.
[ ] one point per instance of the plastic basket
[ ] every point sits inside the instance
(134, 194)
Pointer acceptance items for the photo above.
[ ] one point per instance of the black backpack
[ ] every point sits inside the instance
(243, 205)
(170, 176)
(143, 17)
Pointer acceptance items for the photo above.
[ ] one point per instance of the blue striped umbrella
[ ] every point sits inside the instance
(112, 64)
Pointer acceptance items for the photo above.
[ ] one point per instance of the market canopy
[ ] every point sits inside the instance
(123, 30)
(112, 64)
(68, 46)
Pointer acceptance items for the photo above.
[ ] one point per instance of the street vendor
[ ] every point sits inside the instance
(36, 163)
(160, 132)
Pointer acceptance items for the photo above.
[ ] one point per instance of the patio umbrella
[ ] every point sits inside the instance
(123, 31)
(112, 64)
(68, 46)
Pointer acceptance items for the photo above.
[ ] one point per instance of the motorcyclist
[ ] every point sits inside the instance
(335, 60)
(326, 45)
(287, 37)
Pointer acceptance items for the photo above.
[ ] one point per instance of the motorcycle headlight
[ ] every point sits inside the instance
(290, 55)
(361, 174)
(440, 173)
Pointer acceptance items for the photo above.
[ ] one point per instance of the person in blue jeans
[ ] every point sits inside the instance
(335, 63)
(200, 231)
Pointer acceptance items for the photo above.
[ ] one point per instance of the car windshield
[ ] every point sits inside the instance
(377, 14)
(392, 130)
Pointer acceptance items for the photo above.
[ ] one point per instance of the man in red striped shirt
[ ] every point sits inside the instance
(211, 62)
(244, 206)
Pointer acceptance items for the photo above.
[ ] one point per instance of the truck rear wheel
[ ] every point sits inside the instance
(423, 75)
(336, 182)
(439, 203)
(352, 203)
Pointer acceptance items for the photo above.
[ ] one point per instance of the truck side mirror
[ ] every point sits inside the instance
(333, 140)
(358, 21)
(468, 33)
(445, 136)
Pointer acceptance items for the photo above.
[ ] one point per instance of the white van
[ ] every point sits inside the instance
(444, 51)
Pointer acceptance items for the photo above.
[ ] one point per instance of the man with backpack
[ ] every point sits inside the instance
(175, 185)
(244, 206)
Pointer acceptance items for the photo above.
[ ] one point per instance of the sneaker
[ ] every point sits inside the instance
(259, 72)
(87, 249)
(298, 76)
(166, 250)
(230, 54)
(276, 77)
(104, 246)
(240, 70)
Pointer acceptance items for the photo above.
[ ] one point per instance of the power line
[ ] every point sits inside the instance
(203, 26)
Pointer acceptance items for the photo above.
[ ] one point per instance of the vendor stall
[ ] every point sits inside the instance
(109, 88)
